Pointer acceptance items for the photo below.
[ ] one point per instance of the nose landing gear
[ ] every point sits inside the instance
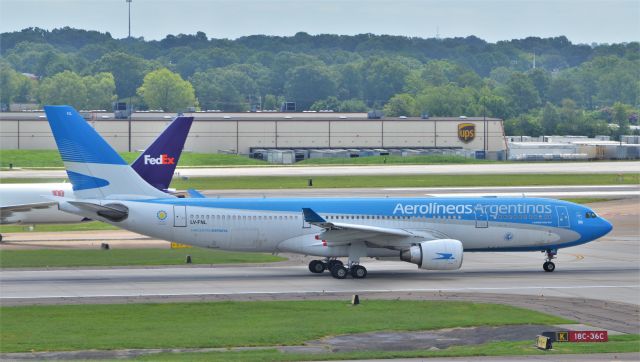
(548, 265)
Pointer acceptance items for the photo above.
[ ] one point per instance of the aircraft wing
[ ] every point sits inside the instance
(344, 233)
(6, 211)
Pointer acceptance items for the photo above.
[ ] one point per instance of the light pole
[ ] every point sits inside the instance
(129, 2)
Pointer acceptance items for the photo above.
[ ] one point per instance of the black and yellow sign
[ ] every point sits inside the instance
(179, 246)
(466, 132)
(543, 342)
(562, 336)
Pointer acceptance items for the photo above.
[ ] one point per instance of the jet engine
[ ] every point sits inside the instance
(441, 254)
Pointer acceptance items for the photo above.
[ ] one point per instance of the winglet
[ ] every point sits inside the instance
(312, 217)
(195, 194)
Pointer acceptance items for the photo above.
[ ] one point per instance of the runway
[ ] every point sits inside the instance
(457, 169)
(606, 270)
(598, 191)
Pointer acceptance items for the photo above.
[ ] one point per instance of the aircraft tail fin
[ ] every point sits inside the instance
(94, 168)
(158, 162)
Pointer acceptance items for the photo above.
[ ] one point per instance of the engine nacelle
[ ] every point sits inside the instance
(441, 254)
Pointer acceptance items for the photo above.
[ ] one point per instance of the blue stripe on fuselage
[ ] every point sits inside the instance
(520, 211)
(535, 211)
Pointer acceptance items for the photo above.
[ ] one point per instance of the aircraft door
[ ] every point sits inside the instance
(482, 217)
(180, 216)
(563, 216)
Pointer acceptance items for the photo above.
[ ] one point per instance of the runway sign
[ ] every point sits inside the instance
(179, 246)
(588, 336)
(543, 342)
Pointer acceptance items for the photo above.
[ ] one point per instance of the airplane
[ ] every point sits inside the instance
(24, 204)
(433, 233)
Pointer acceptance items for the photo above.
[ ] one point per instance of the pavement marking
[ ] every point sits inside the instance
(514, 187)
(324, 291)
(539, 194)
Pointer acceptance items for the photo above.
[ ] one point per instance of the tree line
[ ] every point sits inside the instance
(539, 86)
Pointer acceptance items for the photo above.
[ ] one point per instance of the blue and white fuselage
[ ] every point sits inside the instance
(430, 232)
(268, 225)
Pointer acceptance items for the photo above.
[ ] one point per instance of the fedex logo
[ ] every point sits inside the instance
(164, 159)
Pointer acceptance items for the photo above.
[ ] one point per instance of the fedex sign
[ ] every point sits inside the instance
(164, 159)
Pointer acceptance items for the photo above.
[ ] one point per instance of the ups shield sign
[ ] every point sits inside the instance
(466, 132)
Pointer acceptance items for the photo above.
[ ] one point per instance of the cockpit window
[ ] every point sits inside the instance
(591, 215)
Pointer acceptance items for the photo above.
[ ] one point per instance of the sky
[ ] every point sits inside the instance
(582, 21)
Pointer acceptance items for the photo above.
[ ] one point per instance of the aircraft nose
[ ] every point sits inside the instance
(605, 227)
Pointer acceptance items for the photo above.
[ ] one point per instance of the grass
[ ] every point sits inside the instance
(587, 200)
(394, 160)
(619, 344)
(84, 226)
(51, 158)
(287, 182)
(42, 258)
(229, 324)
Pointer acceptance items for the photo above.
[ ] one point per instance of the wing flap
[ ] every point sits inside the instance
(336, 234)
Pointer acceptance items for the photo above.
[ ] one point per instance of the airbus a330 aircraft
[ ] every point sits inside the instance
(430, 232)
(24, 203)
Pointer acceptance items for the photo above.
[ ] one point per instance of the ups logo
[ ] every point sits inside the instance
(466, 132)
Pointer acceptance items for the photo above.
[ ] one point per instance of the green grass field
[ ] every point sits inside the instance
(228, 324)
(219, 183)
(619, 344)
(287, 182)
(84, 226)
(394, 160)
(42, 258)
(51, 158)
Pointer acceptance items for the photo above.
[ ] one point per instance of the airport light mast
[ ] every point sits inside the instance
(129, 2)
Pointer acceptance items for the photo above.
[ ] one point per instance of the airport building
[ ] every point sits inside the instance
(311, 132)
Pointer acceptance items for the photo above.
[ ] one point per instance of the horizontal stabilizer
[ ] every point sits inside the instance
(113, 212)
(195, 194)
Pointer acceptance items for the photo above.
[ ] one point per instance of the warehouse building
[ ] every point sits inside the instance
(216, 132)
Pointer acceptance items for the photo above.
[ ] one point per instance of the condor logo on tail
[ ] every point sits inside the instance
(466, 132)
(164, 159)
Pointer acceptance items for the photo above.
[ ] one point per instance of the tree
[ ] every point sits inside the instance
(225, 89)
(447, 101)
(331, 103)
(63, 88)
(128, 71)
(309, 83)
(163, 89)
(9, 84)
(272, 102)
(621, 119)
(550, 119)
(400, 105)
(523, 125)
(383, 77)
(101, 91)
(541, 80)
(521, 94)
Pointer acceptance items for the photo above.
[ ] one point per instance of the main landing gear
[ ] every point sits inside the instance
(548, 265)
(338, 269)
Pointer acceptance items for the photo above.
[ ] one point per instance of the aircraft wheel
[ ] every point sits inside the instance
(339, 272)
(549, 266)
(358, 271)
(316, 266)
(332, 263)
